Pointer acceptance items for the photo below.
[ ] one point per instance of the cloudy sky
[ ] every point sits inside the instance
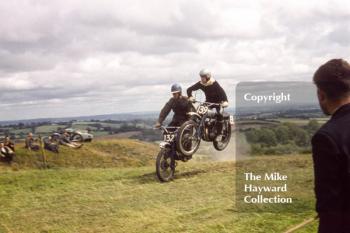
(72, 58)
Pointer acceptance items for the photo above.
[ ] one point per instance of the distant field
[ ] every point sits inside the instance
(83, 127)
(247, 123)
(79, 125)
(118, 135)
(302, 121)
(24, 131)
(48, 128)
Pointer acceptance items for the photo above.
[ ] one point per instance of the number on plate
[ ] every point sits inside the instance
(202, 110)
(169, 137)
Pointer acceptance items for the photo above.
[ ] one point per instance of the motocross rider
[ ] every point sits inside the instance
(180, 106)
(214, 93)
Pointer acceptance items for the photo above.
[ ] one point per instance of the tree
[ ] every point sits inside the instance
(282, 134)
(267, 137)
(252, 136)
(312, 126)
(302, 138)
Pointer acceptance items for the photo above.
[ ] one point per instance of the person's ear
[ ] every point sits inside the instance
(321, 95)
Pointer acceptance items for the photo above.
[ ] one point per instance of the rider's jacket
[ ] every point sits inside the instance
(180, 108)
(212, 90)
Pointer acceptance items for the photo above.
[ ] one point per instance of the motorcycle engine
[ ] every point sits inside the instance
(210, 130)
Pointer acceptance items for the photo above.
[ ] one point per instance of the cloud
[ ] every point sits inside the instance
(62, 58)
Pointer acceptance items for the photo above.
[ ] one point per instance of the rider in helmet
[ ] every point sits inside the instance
(180, 106)
(213, 94)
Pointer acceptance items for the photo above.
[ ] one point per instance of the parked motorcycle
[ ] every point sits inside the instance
(65, 139)
(79, 136)
(203, 126)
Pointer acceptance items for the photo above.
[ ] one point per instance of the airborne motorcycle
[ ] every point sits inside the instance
(168, 155)
(203, 126)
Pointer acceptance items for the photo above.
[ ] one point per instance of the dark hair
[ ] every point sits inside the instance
(333, 78)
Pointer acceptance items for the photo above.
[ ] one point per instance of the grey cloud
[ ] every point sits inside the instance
(340, 34)
(114, 56)
(20, 62)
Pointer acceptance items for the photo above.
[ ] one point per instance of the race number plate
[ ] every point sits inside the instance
(169, 137)
(231, 120)
(202, 110)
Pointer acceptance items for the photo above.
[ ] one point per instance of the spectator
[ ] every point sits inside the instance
(331, 148)
(30, 143)
(50, 144)
(8, 143)
(7, 150)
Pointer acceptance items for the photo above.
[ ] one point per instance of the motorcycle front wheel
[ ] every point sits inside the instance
(77, 138)
(226, 136)
(188, 140)
(164, 170)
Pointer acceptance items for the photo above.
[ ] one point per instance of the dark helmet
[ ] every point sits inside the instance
(175, 88)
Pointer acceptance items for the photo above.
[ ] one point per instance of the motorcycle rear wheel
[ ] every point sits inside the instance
(221, 145)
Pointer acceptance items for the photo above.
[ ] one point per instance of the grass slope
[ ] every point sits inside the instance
(107, 153)
(200, 199)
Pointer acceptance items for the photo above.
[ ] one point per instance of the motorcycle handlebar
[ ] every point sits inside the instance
(165, 128)
(208, 103)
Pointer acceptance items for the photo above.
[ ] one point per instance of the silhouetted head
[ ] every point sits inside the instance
(333, 84)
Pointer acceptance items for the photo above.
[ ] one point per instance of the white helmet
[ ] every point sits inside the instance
(205, 73)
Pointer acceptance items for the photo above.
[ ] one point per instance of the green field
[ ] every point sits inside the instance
(302, 122)
(130, 199)
(48, 128)
(23, 131)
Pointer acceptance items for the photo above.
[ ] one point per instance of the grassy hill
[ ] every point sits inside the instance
(130, 199)
(99, 153)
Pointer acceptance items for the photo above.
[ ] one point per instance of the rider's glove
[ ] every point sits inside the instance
(157, 125)
(224, 104)
(191, 99)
